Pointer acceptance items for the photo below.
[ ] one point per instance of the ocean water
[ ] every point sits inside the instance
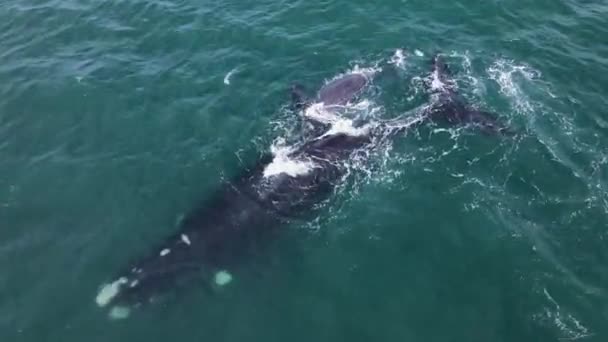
(117, 116)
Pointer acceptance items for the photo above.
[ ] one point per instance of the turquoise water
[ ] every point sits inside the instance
(115, 119)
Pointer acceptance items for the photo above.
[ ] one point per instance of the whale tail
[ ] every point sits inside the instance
(449, 107)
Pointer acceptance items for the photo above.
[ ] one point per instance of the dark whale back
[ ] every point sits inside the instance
(227, 227)
(342, 90)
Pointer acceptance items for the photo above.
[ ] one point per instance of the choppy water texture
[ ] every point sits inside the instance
(117, 116)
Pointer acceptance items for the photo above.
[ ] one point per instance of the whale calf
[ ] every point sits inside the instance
(336, 92)
(448, 107)
(240, 215)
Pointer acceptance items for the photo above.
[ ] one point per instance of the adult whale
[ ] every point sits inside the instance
(241, 214)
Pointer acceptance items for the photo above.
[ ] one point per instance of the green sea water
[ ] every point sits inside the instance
(116, 117)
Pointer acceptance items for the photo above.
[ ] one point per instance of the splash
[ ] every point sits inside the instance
(398, 59)
(436, 82)
(346, 126)
(503, 72)
(284, 163)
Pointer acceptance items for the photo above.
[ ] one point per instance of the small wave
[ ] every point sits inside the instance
(229, 75)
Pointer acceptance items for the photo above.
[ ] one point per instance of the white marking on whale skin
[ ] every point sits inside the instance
(165, 252)
(109, 291)
(185, 239)
(228, 75)
(222, 278)
(418, 53)
(134, 283)
(119, 312)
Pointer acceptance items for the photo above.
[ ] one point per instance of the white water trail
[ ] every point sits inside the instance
(229, 75)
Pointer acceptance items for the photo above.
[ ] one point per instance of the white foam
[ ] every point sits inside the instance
(320, 113)
(185, 239)
(572, 328)
(283, 164)
(503, 71)
(109, 291)
(398, 58)
(436, 83)
(345, 126)
(119, 312)
(228, 75)
(418, 53)
(165, 252)
(368, 72)
(222, 278)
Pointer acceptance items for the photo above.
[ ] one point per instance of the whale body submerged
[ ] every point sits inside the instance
(239, 215)
(243, 213)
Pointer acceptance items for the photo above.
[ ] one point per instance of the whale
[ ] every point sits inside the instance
(221, 231)
(448, 107)
(224, 230)
(336, 92)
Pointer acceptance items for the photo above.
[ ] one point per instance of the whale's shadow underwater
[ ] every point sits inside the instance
(248, 210)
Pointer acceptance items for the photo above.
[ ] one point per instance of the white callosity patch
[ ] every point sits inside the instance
(109, 291)
(418, 53)
(185, 239)
(222, 278)
(165, 252)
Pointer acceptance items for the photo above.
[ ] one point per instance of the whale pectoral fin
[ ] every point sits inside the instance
(298, 96)
(489, 123)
